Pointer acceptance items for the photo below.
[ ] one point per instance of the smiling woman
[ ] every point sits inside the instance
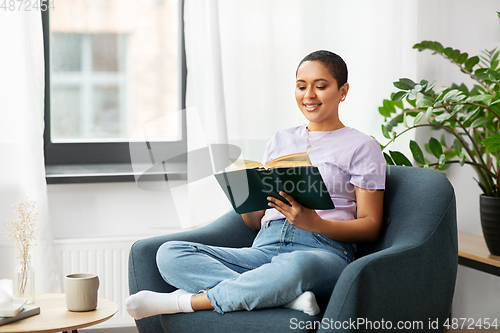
(299, 253)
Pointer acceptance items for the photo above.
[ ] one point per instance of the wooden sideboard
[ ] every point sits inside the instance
(473, 253)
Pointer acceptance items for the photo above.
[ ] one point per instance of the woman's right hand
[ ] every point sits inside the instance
(252, 219)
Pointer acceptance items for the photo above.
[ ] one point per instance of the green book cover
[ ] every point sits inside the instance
(247, 189)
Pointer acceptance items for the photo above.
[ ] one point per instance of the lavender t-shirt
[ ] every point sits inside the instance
(345, 158)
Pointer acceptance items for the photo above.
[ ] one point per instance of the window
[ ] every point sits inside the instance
(88, 87)
(112, 69)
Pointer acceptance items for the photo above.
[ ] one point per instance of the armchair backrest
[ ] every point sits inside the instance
(413, 198)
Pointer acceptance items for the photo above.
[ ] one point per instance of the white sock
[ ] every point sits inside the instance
(305, 302)
(147, 303)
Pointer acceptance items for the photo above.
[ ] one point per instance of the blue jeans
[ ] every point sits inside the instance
(282, 263)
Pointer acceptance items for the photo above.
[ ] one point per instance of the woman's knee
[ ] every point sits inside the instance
(170, 258)
(308, 265)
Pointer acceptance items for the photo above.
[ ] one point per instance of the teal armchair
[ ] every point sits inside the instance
(406, 278)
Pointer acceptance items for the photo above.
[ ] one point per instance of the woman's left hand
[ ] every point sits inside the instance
(296, 214)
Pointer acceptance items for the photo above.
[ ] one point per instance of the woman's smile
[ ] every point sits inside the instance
(311, 106)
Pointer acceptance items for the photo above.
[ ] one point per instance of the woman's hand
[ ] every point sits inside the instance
(365, 228)
(296, 214)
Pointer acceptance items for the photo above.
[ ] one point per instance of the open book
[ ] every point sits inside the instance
(248, 186)
(291, 160)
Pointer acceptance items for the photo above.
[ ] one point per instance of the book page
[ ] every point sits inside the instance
(245, 164)
(291, 160)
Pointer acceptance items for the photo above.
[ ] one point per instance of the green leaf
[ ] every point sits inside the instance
(455, 54)
(481, 70)
(418, 118)
(399, 104)
(442, 160)
(404, 84)
(453, 122)
(399, 158)
(443, 117)
(388, 159)
(494, 76)
(385, 132)
(440, 91)
(471, 62)
(431, 85)
(451, 95)
(394, 122)
(462, 58)
(463, 88)
(383, 111)
(417, 152)
(424, 102)
(419, 46)
(494, 64)
(462, 159)
(437, 47)
(389, 106)
(472, 114)
(428, 114)
(483, 77)
(435, 147)
(457, 146)
(478, 98)
(479, 122)
(399, 96)
(447, 51)
(411, 101)
(456, 108)
(449, 154)
(492, 143)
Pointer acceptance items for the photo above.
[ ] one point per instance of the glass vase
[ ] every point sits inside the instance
(24, 279)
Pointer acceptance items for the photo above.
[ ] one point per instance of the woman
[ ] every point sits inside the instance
(298, 253)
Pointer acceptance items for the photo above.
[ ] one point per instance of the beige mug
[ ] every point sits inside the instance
(81, 291)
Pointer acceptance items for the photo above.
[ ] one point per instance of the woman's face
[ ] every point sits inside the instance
(318, 96)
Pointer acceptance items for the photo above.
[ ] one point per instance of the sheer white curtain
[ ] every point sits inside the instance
(242, 56)
(22, 171)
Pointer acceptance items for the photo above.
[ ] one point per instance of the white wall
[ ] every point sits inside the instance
(109, 209)
(470, 26)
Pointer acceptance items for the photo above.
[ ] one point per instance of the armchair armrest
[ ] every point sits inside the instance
(372, 287)
(229, 230)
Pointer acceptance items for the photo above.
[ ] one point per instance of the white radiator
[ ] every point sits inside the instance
(106, 257)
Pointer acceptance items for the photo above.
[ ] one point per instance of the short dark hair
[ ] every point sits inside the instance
(333, 62)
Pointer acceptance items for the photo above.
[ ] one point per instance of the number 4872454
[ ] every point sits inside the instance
(470, 323)
(26, 5)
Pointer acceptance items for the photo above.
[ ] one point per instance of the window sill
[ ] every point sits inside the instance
(107, 173)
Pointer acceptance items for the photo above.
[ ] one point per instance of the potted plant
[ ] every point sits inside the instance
(471, 116)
